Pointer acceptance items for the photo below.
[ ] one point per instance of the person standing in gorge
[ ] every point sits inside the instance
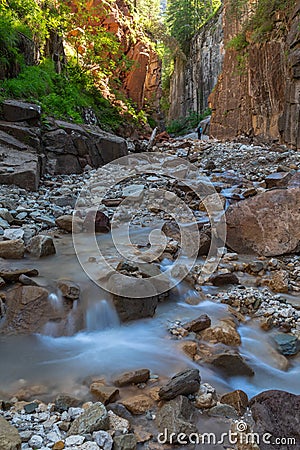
(199, 131)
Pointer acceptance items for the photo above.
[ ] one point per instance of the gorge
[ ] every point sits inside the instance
(149, 280)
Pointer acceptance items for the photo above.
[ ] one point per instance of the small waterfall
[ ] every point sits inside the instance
(101, 315)
(56, 300)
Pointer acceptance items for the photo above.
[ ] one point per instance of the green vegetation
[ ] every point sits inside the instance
(67, 95)
(183, 125)
(95, 62)
(185, 18)
(262, 24)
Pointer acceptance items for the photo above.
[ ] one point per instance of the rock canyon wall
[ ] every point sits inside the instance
(194, 78)
(258, 92)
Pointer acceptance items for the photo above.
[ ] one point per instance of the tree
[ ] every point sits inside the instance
(185, 17)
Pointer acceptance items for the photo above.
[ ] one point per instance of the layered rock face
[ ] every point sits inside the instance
(28, 150)
(258, 91)
(194, 78)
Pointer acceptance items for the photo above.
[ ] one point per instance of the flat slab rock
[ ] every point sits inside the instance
(21, 168)
(134, 377)
(267, 224)
(16, 111)
(183, 383)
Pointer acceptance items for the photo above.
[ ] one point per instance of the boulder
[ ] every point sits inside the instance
(21, 168)
(201, 323)
(277, 413)
(13, 274)
(97, 222)
(231, 364)
(221, 279)
(94, 418)
(69, 289)
(23, 134)
(223, 411)
(9, 436)
(134, 377)
(175, 416)
(104, 394)
(135, 308)
(278, 179)
(224, 332)
(64, 401)
(238, 399)
(41, 245)
(28, 309)
(138, 404)
(279, 281)
(287, 344)
(125, 442)
(69, 223)
(12, 249)
(117, 422)
(6, 215)
(183, 383)
(17, 111)
(267, 224)
(70, 147)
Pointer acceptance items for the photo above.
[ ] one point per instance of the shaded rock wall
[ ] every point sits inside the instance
(193, 79)
(258, 93)
(28, 150)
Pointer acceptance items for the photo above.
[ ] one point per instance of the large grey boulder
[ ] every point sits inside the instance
(267, 224)
(70, 147)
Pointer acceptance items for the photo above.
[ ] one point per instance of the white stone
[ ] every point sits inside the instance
(103, 439)
(89, 446)
(75, 439)
(36, 441)
(13, 233)
(54, 436)
(75, 412)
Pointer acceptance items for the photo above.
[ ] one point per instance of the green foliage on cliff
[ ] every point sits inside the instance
(63, 96)
(93, 58)
(266, 20)
(185, 17)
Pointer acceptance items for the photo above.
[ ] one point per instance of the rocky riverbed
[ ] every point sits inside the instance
(209, 324)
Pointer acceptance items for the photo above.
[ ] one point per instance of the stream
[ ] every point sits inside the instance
(104, 348)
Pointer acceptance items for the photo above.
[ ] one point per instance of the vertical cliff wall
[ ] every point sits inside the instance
(194, 78)
(258, 92)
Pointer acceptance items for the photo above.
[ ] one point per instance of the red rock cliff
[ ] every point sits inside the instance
(259, 94)
(142, 82)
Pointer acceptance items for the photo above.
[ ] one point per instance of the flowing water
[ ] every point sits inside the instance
(103, 347)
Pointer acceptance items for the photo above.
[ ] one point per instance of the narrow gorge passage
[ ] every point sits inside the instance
(149, 225)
